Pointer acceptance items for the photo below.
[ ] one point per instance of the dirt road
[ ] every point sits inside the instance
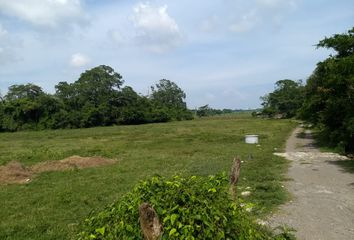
(323, 192)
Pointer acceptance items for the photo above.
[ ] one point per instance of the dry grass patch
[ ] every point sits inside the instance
(15, 172)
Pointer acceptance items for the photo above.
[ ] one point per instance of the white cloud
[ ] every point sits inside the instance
(79, 60)
(156, 30)
(48, 13)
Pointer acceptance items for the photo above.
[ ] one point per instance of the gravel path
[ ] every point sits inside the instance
(323, 193)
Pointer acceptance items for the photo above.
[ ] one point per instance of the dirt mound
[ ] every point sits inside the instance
(15, 172)
(73, 162)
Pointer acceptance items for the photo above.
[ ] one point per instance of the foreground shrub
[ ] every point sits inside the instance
(188, 208)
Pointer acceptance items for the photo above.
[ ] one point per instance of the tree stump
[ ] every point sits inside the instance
(234, 175)
(149, 222)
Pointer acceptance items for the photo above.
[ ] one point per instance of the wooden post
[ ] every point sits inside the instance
(234, 175)
(149, 222)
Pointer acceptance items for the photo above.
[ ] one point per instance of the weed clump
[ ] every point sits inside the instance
(188, 208)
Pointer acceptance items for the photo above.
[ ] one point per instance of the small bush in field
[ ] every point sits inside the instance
(188, 208)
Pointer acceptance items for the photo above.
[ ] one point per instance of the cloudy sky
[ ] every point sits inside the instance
(223, 53)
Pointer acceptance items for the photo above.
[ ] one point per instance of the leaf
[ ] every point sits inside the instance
(166, 219)
(173, 218)
(101, 230)
(173, 231)
(212, 190)
(180, 225)
(129, 228)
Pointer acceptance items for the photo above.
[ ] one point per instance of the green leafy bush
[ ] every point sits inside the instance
(189, 208)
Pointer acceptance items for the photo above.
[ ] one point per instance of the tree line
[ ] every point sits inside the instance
(207, 111)
(327, 98)
(97, 98)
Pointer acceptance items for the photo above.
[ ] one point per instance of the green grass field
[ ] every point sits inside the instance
(53, 204)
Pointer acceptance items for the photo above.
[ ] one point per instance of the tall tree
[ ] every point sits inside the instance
(98, 85)
(204, 111)
(93, 99)
(329, 102)
(166, 95)
(286, 99)
(21, 91)
(28, 107)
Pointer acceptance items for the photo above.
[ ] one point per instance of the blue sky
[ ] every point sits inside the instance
(224, 53)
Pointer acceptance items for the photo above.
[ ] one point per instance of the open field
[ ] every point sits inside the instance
(52, 204)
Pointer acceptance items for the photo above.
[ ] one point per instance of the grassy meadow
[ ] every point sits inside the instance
(53, 204)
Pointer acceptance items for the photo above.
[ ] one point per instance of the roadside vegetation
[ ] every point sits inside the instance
(326, 100)
(187, 208)
(54, 204)
(329, 94)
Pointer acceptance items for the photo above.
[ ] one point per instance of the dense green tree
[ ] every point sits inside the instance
(329, 101)
(168, 94)
(138, 109)
(92, 100)
(49, 110)
(204, 111)
(286, 99)
(67, 93)
(98, 85)
(28, 107)
(27, 91)
(21, 108)
(133, 107)
(95, 99)
(343, 44)
(168, 97)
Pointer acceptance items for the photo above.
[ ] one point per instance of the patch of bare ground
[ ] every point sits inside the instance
(73, 162)
(15, 172)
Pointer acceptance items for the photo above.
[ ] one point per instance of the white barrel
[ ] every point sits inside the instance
(251, 139)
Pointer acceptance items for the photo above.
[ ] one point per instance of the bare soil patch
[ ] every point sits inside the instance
(15, 172)
(70, 163)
